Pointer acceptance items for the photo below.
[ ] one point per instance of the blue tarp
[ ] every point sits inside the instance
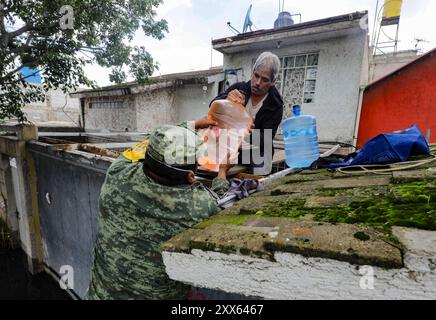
(388, 148)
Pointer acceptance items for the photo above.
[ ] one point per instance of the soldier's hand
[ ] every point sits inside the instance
(204, 122)
(224, 169)
(225, 166)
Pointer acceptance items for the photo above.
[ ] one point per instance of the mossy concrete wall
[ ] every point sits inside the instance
(319, 235)
(294, 276)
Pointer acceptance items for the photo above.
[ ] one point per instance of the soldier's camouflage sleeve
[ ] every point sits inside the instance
(220, 186)
(188, 125)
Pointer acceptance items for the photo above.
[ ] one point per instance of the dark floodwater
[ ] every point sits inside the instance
(17, 283)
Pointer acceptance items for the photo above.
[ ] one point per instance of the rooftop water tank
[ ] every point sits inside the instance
(283, 20)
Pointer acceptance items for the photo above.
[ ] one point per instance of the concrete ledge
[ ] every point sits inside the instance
(420, 245)
(70, 154)
(293, 276)
(12, 146)
(23, 131)
(309, 236)
(261, 237)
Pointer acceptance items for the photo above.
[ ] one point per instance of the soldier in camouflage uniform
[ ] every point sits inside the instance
(143, 204)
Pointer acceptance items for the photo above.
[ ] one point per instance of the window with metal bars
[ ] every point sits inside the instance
(106, 104)
(296, 80)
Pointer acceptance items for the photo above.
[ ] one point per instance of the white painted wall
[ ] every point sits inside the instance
(57, 106)
(337, 88)
(192, 101)
(382, 65)
(146, 110)
(293, 276)
(155, 108)
(110, 119)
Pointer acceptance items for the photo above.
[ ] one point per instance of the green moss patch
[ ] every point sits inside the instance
(357, 191)
(290, 209)
(361, 236)
(415, 192)
(382, 213)
(223, 219)
(409, 205)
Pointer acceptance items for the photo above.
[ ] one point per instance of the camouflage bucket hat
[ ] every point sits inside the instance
(175, 145)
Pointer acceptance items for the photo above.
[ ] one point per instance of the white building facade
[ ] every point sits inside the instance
(170, 99)
(325, 65)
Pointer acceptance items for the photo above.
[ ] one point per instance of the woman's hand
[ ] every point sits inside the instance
(236, 96)
(250, 130)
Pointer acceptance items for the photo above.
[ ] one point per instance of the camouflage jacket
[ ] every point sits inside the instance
(137, 214)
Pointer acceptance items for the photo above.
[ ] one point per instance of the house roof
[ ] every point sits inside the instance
(307, 31)
(156, 82)
(420, 59)
(190, 74)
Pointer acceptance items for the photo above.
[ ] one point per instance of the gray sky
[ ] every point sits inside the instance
(193, 23)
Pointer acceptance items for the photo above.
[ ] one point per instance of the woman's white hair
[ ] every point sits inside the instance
(269, 61)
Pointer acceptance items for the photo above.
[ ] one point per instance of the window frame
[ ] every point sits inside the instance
(280, 83)
(107, 104)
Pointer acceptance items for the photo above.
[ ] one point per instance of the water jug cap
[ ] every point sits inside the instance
(296, 109)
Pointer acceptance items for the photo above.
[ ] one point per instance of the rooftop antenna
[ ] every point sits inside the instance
(232, 28)
(247, 21)
(418, 40)
(282, 6)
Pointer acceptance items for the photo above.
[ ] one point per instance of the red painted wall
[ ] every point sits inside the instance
(405, 98)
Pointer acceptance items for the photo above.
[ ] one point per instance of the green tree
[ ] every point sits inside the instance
(59, 37)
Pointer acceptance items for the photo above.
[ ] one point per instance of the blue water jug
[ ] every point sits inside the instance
(301, 139)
